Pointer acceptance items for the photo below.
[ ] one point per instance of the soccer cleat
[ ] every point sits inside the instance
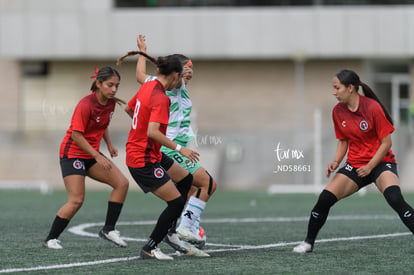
(156, 253)
(172, 240)
(187, 235)
(182, 247)
(112, 236)
(194, 251)
(197, 239)
(303, 247)
(53, 244)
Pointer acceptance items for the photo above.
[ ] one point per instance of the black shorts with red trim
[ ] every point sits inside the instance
(150, 177)
(350, 171)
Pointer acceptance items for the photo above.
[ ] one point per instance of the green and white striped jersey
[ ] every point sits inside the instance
(179, 125)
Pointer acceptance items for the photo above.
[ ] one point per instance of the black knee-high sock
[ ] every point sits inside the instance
(57, 228)
(395, 199)
(184, 185)
(319, 215)
(166, 219)
(112, 215)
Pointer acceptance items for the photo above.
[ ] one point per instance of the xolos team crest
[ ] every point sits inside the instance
(363, 125)
(158, 173)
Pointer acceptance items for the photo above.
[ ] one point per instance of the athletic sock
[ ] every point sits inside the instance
(395, 199)
(112, 215)
(150, 245)
(192, 212)
(166, 219)
(57, 228)
(319, 215)
(184, 185)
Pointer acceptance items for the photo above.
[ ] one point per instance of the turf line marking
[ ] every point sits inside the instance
(243, 247)
(80, 230)
(60, 266)
(284, 244)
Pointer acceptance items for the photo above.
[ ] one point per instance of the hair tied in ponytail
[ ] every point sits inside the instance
(131, 53)
(96, 73)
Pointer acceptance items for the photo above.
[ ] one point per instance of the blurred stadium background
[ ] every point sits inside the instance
(262, 79)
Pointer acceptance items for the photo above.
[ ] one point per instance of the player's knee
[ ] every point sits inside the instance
(326, 200)
(184, 185)
(123, 184)
(75, 204)
(211, 187)
(393, 195)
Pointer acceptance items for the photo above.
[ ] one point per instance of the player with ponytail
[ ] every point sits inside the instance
(80, 157)
(180, 131)
(152, 170)
(363, 128)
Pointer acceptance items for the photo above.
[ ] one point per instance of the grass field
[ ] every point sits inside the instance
(248, 233)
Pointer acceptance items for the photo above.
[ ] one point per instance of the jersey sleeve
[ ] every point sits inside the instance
(382, 126)
(160, 109)
(150, 78)
(337, 124)
(80, 117)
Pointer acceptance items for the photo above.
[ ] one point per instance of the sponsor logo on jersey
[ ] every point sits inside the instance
(363, 125)
(158, 173)
(344, 123)
(98, 119)
(77, 164)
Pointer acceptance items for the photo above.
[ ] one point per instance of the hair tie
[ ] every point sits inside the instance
(96, 73)
(189, 63)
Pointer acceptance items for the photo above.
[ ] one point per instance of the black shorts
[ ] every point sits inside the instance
(350, 171)
(75, 166)
(166, 162)
(150, 177)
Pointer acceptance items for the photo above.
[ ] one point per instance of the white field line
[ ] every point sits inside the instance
(79, 229)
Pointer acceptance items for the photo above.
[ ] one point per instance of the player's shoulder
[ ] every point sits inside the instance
(150, 78)
(88, 98)
(370, 104)
(87, 101)
(339, 108)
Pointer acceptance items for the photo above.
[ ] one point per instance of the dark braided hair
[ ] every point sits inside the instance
(104, 74)
(349, 77)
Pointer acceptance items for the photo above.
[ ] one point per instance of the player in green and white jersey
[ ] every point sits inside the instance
(179, 130)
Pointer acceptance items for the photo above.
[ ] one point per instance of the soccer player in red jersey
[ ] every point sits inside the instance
(80, 157)
(179, 130)
(149, 110)
(363, 128)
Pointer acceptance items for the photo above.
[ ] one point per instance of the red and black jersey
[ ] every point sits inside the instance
(150, 104)
(363, 129)
(91, 118)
